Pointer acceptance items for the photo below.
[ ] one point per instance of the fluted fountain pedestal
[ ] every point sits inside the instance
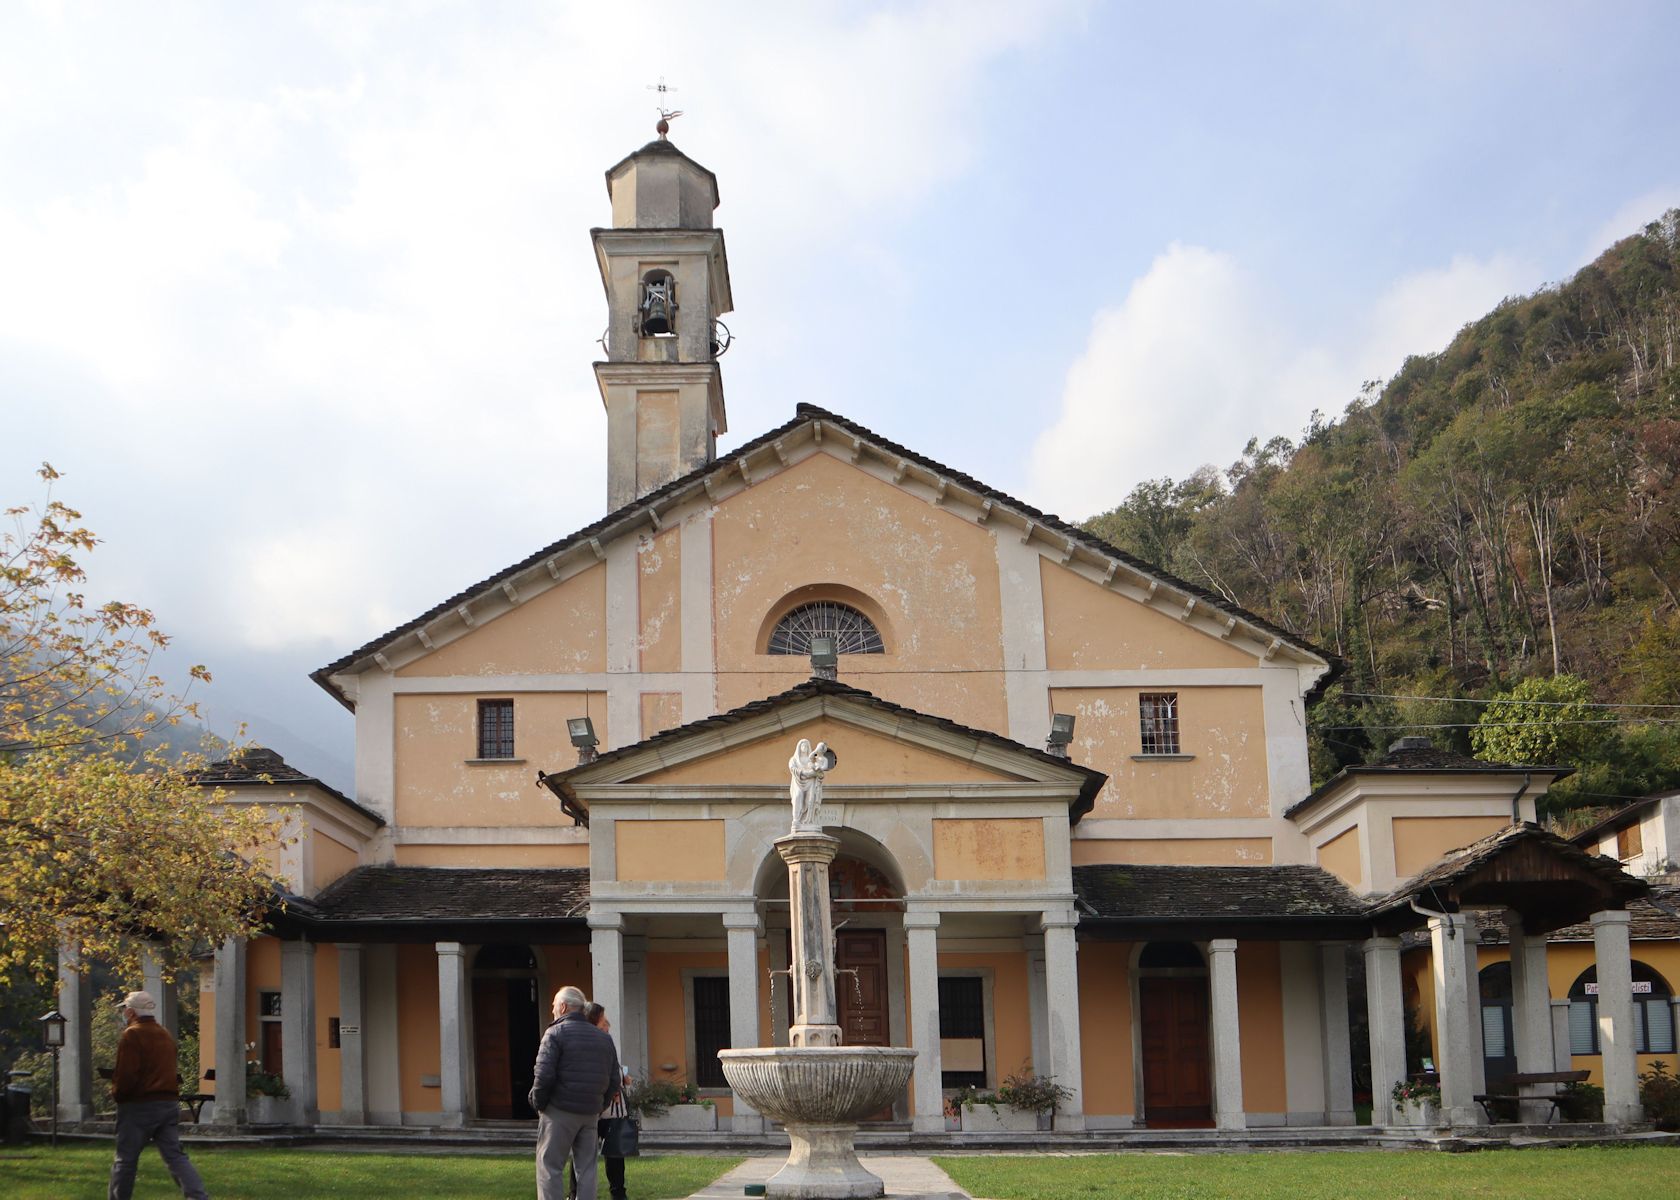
(820, 1093)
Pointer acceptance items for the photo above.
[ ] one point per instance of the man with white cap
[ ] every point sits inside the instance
(146, 1085)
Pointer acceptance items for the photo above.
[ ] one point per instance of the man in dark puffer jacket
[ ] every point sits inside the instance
(576, 1077)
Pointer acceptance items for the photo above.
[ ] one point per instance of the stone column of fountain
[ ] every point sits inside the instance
(817, 1088)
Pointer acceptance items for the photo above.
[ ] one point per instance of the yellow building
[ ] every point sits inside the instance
(1072, 791)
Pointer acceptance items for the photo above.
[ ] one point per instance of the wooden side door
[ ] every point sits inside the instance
(1173, 1028)
(863, 1006)
(490, 1049)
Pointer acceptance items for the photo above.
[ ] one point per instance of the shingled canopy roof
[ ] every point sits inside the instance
(1646, 921)
(1135, 900)
(1423, 758)
(422, 904)
(260, 765)
(634, 516)
(1551, 882)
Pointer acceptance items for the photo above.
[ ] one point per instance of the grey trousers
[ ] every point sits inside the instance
(561, 1135)
(159, 1121)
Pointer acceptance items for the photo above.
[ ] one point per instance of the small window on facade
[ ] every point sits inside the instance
(711, 1029)
(1653, 1014)
(334, 1037)
(1629, 843)
(495, 729)
(1158, 722)
(853, 633)
(962, 1031)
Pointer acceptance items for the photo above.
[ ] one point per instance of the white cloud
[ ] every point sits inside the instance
(1194, 361)
(1632, 217)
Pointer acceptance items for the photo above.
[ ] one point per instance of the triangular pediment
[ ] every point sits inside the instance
(1193, 610)
(882, 747)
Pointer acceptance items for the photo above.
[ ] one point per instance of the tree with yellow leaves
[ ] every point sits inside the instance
(106, 841)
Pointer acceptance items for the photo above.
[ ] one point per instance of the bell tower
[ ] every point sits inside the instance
(667, 281)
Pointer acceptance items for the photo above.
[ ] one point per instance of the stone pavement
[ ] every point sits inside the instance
(907, 1178)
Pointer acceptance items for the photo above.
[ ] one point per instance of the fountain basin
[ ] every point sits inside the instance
(820, 1093)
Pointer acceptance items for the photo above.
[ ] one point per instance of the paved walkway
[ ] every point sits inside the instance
(907, 1178)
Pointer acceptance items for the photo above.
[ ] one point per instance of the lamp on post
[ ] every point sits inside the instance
(582, 731)
(52, 1037)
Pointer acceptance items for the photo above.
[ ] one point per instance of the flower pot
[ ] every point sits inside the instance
(682, 1118)
(265, 1110)
(1419, 1114)
(983, 1118)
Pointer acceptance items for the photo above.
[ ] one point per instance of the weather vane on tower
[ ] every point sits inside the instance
(666, 115)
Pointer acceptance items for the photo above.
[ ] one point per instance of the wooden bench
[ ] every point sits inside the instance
(195, 1101)
(1508, 1102)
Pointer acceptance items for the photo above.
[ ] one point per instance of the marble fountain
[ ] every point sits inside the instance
(816, 1087)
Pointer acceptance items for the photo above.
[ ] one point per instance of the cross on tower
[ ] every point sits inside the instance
(666, 115)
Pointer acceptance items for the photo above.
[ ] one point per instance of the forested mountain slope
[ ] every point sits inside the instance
(1503, 510)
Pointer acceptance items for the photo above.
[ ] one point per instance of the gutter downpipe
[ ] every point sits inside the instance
(1452, 924)
(1516, 813)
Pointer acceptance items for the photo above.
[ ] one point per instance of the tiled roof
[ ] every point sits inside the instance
(260, 765)
(828, 687)
(1152, 892)
(386, 894)
(808, 413)
(1626, 815)
(1646, 921)
(1424, 759)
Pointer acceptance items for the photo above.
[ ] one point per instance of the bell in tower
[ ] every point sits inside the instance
(659, 305)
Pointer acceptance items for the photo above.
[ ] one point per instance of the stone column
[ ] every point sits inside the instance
(1616, 1030)
(1038, 1002)
(1563, 1058)
(1227, 1035)
(352, 1048)
(230, 1032)
(166, 992)
(815, 1018)
(1456, 1007)
(632, 1038)
(1386, 1007)
(742, 930)
(606, 962)
(453, 1058)
(921, 929)
(75, 1061)
(1531, 1012)
(1333, 1019)
(898, 1011)
(1472, 943)
(1061, 979)
(297, 1029)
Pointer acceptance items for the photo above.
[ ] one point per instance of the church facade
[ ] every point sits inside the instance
(1079, 835)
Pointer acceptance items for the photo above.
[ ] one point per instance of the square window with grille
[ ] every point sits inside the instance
(495, 729)
(711, 1029)
(962, 1031)
(1158, 722)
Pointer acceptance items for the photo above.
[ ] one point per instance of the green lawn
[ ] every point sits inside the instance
(1587, 1173)
(75, 1172)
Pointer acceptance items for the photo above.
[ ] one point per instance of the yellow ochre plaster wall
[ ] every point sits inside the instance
(560, 631)
(1212, 852)
(660, 587)
(1419, 841)
(437, 735)
(865, 758)
(1222, 727)
(1340, 856)
(1260, 1015)
(329, 1075)
(573, 854)
(332, 859)
(991, 848)
(1011, 1008)
(1105, 1028)
(1088, 627)
(667, 1013)
(669, 851)
(660, 711)
(932, 574)
(417, 1027)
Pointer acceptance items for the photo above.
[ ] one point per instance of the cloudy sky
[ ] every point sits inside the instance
(300, 297)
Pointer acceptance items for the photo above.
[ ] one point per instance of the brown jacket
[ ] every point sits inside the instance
(146, 1067)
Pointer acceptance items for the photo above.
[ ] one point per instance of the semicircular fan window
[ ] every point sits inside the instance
(853, 633)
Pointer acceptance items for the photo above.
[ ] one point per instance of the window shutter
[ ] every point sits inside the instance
(1493, 1031)
(1583, 1027)
(1659, 1025)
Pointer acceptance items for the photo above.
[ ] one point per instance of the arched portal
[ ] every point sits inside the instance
(507, 1024)
(1174, 1047)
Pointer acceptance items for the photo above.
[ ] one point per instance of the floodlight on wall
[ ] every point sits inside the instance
(1061, 734)
(582, 732)
(825, 659)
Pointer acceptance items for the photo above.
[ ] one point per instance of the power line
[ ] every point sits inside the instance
(1499, 724)
(1506, 700)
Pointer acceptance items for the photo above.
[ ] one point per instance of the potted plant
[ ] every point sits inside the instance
(1023, 1104)
(670, 1105)
(1581, 1101)
(1417, 1102)
(265, 1097)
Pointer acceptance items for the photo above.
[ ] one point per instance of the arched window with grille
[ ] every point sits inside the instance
(853, 633)
(1653, 1012)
